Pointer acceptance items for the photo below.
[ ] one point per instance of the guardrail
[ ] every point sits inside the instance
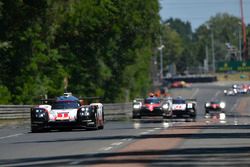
(192, 78)
(112, 111)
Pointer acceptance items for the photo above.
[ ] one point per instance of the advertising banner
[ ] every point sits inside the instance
(233, 66)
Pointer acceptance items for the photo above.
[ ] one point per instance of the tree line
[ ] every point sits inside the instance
(100, 48)
(90, 48)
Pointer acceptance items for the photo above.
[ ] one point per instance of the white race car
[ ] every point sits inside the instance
(66, 112)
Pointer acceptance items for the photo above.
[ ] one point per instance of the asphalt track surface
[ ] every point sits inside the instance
(146, 142)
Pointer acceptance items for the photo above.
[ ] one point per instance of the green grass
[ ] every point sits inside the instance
(243, 76)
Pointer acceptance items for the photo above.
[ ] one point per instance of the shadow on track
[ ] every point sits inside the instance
(219, 135)
(229, 156)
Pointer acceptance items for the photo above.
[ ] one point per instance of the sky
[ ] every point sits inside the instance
(197, 12)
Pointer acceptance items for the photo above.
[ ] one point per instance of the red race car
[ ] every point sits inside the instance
(180, 84)
(214, 107)
(151, 106)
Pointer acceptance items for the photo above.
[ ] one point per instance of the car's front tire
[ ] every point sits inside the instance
(34, 130)
(136, 116)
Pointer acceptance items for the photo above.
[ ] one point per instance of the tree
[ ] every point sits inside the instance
(94, 45)
(225, 29)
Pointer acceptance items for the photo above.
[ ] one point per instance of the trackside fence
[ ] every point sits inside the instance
(114, 111)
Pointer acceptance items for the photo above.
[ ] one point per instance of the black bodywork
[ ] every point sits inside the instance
(87, 116)
(214, 107)
(189, 111)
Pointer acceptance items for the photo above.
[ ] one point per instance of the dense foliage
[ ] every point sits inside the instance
(102, 48)
(90, 47)
(186, 50)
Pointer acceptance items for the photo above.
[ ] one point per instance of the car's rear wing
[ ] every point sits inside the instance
(89, 100)
(138, 101)
(191, 100)
(48, 101)
(82, 100)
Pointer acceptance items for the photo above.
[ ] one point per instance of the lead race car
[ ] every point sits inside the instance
(66, 112)
(151, 106)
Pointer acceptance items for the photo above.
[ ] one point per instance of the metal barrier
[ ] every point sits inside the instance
(191, 78)
(112, 111)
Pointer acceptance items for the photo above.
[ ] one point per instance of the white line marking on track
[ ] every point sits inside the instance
(157, 128)
(107, 148)
(144, 133)
(235, 105)
(128, 139)
(195, 93)
(216, 94)
(151, 130)
(15, 135)
(116, 144)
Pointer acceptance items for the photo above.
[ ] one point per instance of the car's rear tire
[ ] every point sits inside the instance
(38, 129)
(34, 130)
(101, 127)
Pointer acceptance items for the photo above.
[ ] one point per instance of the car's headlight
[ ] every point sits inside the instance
(84, 109)
(136, 106)
(86, 113)
(207, 104)
(225, 91)
(41, 115)
(222, 105)
(165, 106)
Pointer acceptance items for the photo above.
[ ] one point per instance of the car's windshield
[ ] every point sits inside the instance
(215, 102)
(65, 105)
(178, 101)
(152, 101)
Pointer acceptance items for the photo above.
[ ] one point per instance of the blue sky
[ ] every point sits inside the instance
(198, 12)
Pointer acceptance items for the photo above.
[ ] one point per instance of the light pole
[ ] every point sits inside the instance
(160, 48)
(240, 57)
(212, 47)
(213, 56)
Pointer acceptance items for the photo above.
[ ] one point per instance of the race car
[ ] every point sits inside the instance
(66, 112)
(230, 92)
(215, 107)
(241, 88)
(183, 108)
(150, 106)
(180, 84)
